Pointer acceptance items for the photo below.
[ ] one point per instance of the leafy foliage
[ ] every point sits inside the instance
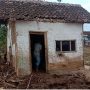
(59, 0)
(3, 37)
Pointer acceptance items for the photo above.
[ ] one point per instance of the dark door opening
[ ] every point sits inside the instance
(38, 52)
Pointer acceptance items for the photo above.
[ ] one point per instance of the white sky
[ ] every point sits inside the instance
(83, 3)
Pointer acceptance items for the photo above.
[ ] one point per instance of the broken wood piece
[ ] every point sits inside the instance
(29, 81)
(9, 84)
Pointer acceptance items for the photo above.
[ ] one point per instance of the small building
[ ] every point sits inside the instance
(44, 36)
(86, 38)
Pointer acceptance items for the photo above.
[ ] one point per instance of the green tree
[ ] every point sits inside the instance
(59, 0)
(3, 37)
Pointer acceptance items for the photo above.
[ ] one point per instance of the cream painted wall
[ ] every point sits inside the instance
(55, 31)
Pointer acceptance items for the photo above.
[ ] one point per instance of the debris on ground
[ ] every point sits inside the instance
(40, 80)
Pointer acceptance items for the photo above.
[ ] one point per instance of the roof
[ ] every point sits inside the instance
(86, 32)
(22, 10)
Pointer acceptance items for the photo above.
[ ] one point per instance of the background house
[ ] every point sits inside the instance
(86, 37)
(57, 27)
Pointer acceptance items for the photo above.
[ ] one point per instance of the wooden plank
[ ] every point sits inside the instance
(46, 50)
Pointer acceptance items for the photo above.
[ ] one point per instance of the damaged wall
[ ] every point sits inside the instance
(11, 43)
(55, 31)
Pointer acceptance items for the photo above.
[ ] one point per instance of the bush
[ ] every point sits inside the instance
(3, 38)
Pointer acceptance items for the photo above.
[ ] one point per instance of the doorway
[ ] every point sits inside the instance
(37, 45)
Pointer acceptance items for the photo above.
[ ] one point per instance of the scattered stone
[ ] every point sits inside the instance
(40, 80)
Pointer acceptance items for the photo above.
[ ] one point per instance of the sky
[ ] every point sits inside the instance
(84, 3)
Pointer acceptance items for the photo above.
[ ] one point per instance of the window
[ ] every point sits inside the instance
(67, 45)
(58, 47)
(73, 46)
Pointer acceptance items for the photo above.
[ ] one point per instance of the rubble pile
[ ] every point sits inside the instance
(40, 80)
(47, 81)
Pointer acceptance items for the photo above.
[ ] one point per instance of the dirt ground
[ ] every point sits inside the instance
(87, 56)
(38, 80)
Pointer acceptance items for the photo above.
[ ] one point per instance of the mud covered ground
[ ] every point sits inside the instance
(87, 56)
(9, 80)
(38, 80)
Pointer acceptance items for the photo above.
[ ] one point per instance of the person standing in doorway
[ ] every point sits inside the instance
(37, 54)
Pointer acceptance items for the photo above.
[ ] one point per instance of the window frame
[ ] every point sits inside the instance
(69, 45)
